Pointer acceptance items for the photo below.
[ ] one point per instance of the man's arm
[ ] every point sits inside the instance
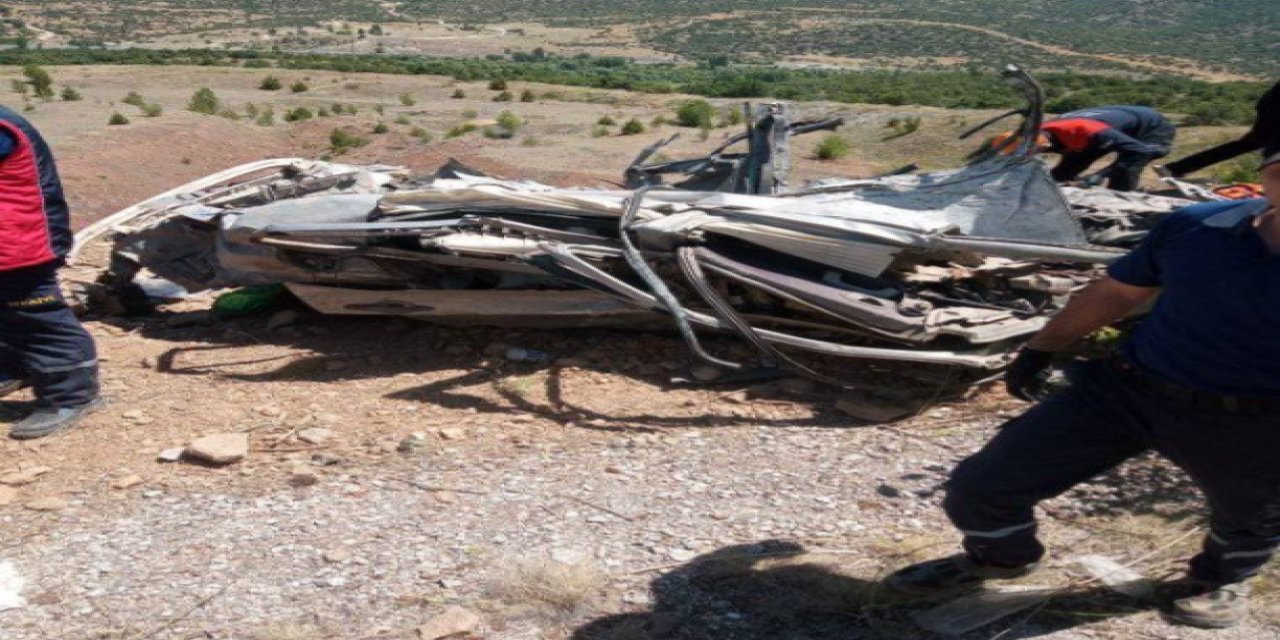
(1097, 306)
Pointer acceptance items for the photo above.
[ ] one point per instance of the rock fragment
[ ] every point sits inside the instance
(455, 621)
(48, 504)
(220, 448)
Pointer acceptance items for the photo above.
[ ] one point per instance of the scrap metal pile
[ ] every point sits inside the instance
(955, 267)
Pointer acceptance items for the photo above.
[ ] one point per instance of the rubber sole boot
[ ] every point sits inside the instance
(949, 575)
(46, 421)
(1211, 607)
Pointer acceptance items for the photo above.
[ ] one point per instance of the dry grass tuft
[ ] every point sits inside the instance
(554, 588)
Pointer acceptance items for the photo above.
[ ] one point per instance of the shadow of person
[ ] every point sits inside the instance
(776, 590)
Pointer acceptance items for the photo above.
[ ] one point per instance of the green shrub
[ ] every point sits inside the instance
(407, 100)
(298, 114)
(606, 121)
(271, 83)
(528, 96)
(509, 122)
(458, 94)
(381, 128)
(134, 99)
(267, 118)
(204, 101)
(117, 119)
(498, 84)
(599, 131)
(341, 141)
(421, 134)
(402, 120)
(323, 112)
(257, 63)
(299, 87)
(40, 80)
(733, 117)
(505, 96)
(460, 130)
(1239, 170)
(696, 113)
(833, 147)
(69, 94)
(152, 110)
(632, 127)
(470, 113)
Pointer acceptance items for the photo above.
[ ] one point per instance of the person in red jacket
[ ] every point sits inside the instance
(42, 344)
(1137, 135)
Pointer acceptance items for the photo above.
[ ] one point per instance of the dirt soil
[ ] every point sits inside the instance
(397, 469)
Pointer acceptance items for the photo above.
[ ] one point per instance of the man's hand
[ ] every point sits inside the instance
(1027, 372)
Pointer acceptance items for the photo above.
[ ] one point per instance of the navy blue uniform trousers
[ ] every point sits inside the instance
(1101, 420)
(42, 341)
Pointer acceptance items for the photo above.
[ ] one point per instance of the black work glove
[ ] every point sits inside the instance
(1028, 373)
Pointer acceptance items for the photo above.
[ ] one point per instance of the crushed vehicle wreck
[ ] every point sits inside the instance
(954, 267)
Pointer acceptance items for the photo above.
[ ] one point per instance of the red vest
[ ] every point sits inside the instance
(1074, 135)
(26, 236)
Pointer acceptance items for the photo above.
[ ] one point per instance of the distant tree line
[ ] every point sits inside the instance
(1204, 102)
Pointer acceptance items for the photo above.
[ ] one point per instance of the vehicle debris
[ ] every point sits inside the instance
(953, 267)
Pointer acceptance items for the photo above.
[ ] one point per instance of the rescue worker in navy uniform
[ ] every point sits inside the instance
(42, 345)
(1198, 382)
(1137, 135)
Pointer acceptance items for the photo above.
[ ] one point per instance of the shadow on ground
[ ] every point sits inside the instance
(333, 349)
(771, 591)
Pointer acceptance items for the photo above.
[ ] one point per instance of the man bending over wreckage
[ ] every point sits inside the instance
(1198, 382)
(42, 345)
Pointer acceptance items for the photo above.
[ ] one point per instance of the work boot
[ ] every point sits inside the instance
(945, 575)
(1211, 606)
(46, 421)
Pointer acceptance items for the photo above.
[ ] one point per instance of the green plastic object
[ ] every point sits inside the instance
(250, 300)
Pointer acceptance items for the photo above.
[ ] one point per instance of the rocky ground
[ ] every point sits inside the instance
(395, 470)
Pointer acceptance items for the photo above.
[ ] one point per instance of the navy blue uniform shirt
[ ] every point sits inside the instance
(1215, 325)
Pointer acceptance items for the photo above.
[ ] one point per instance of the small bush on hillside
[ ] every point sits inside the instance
(341, 141)
(505, 96)
(421, 134)
(509, 122)
(527, 96)
(606, 121)
(271, 83)
(460, 130)
(267, 118)
(298, 114)
(299, 87)
(498, 84)
(381, 128)
(134, 99)
(458, 94)
(696, 113)
(833, 147)
(204, 101)
(470, 113)
(632, 127)
(152, 110)
(117, 119)
(402, 120)
(69, 94)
